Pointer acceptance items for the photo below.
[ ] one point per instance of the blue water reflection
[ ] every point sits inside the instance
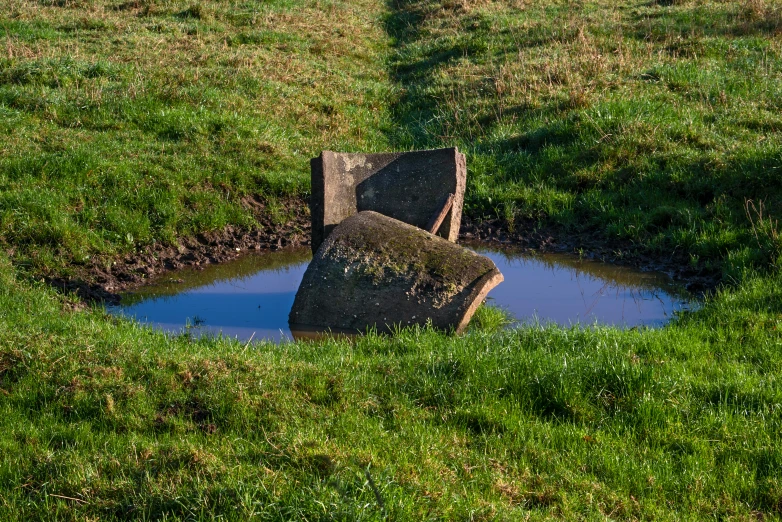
(252, 296)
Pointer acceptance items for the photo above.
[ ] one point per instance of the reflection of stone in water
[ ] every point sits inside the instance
(566, 289)
(614, 276)
(315, 334)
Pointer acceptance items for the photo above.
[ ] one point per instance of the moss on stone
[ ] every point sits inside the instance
(384, 248)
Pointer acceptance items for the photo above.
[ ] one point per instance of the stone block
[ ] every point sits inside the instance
(374, 271)
(408, 186)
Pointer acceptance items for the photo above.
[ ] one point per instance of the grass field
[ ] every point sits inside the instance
(126, 124)
(654, 124)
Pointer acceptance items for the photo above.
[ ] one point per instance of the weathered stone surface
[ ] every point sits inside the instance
(408, 186)
(374, 271)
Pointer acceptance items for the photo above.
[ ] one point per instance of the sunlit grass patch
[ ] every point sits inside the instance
(103, 418)
(134, 123)
(593, 117)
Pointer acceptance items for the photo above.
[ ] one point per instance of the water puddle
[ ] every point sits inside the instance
(246, 298)
(250, 298)
(564, 289)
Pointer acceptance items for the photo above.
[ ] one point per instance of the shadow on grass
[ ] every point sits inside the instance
(669, 21)
(623, 169)
(414, 107)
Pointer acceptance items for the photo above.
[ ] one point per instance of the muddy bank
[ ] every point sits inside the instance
(697, 280)
(103, 280)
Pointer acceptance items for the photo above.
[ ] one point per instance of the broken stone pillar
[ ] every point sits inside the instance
(408, 186)
(374, 271)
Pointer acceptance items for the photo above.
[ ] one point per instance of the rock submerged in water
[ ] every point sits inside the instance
(375, 272)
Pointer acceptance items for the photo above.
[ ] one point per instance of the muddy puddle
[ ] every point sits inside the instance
(250, 298)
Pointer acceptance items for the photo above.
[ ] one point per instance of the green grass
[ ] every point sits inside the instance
(126, 124)
(650, 124)
(678, 423)
(642, 123)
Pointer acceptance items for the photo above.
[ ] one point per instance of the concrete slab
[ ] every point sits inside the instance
(408, 186)
(374, 271)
